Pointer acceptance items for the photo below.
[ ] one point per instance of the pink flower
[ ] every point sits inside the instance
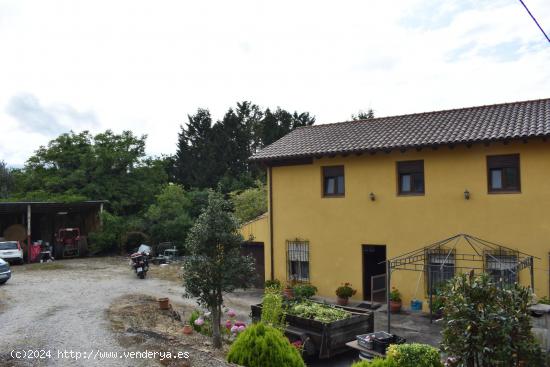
(228, 324)
(234, 329)
(199, 321)
(240, 323)
(241, 328)
(231, 313)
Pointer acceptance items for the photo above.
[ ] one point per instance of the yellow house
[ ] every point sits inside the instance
(345, 197)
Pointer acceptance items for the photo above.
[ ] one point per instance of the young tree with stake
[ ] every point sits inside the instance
(215, 265)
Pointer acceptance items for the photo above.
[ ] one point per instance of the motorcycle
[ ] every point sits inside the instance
(140, 261)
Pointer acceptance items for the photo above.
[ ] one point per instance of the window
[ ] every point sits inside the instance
(503, 173)
(410, 175)
(441, 268)
(333, 181)
(298, 260)
(502, 267)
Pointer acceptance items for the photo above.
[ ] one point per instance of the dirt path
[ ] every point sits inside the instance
(64, 309)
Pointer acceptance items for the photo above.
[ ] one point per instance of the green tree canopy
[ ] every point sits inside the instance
(168, 219)
(250, 203)
(80, 166)
(6, 180)
(209, 153)
(215, 265)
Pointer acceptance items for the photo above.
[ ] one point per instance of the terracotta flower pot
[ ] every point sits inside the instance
(342, 301)
(288, 293)
(395, 307)
(164, 303)
(187, 329)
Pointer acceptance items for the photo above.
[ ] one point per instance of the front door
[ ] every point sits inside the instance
(374, 257)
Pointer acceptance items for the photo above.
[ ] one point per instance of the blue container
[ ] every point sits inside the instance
(416, 305)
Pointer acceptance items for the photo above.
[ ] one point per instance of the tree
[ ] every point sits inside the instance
(107, 166)
(487, 325)
(250, 203)
(209, 154)
(363, 115)
(168, 219)
(215, 265)
(6, 180)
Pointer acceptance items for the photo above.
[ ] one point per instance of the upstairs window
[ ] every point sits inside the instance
(333, 181)
(410, 175)
(298, 260)
(503, 173)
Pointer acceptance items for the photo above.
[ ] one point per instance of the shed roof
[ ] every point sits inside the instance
(516, 120)
(49, 207)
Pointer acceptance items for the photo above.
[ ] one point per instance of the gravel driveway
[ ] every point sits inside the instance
(64, 310)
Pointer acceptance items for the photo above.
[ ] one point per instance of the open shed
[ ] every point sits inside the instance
(30, 221)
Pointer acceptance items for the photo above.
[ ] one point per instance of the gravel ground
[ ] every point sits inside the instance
(64, 310)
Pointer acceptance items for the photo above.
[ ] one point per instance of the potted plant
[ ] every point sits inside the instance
(288, 291)
(344, 292)
(395, 300)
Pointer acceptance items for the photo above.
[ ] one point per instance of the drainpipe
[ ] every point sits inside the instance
(270, 172)
(29, 233)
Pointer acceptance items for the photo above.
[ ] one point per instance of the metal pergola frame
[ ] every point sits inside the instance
(418, 260)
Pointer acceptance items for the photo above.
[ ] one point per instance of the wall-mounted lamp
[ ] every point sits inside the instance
(466, 194)
(372, 197)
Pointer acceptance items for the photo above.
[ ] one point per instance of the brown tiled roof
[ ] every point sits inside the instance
(507, 121)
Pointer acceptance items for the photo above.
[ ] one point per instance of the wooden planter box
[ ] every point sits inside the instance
(325, 340)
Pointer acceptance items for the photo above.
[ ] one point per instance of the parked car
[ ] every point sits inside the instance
(11, 251)
(5, 272)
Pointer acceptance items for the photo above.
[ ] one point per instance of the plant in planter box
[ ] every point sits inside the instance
(395, 300)
(304, 291)
(275, 283)
(344, 292)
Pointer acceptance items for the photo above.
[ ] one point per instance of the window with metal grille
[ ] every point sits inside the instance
(298, 260)
(503, 173)
(333, 181)
(441, 268)
(410, 176)
(502, 268)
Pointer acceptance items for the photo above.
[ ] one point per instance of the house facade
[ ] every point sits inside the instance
(345, 197)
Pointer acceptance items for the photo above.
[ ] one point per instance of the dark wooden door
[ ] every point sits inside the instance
(373, 264)
(256, 251)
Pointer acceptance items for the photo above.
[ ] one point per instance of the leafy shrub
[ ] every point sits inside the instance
(414, 355)
(345, 291)
(304, 291)
(272, 308)
(486, 325)
(273, 283)
(377, 362)
(261, 345)
(317, 311)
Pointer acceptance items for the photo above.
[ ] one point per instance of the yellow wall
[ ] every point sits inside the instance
(257, 230)
(336, 228)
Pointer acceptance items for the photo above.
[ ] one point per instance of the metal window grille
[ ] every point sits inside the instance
(440, 268)
(502, 266)
(298, 260)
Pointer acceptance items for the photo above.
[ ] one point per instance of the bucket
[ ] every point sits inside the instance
(416, 305)
(164, 303)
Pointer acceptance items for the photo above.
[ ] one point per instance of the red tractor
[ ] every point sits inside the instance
(68, 242)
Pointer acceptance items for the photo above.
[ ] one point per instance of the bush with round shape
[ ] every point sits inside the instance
(377, 362)
(304, 291)
(261, 345)
(414, 355)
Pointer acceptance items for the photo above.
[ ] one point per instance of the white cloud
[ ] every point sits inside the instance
(144, 65)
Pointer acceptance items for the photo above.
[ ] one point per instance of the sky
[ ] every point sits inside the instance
(145, 65)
